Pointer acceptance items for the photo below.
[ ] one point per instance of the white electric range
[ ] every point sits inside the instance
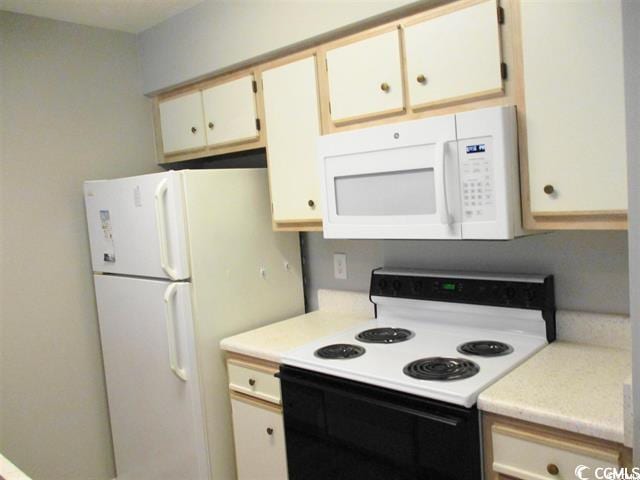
(441, 335)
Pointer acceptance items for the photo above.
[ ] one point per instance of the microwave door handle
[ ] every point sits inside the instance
(445, 217)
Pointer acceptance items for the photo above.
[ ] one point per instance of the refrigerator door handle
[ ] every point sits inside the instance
(161, 225)
(169, 296)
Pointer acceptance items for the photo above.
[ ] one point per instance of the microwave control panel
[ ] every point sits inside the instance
(476, 168)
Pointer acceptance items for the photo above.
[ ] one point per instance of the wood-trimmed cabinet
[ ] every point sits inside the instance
(219, 116)
(258, 426)
(292, 121)
(573, 115)
(565, 78)
(454, 56)
(365, 78)
(518, 450)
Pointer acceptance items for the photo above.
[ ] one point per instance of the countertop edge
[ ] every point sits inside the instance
(549, 419)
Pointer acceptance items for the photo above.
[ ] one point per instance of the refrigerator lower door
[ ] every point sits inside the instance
(149, 356)
(137, 226)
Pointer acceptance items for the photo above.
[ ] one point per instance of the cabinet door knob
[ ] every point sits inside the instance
(311, 203)
(548, 189)
(385, 87)
(252, 382)
(211, 125)
(553, 469)
(269, 431)
(194, 129)
(421, 79)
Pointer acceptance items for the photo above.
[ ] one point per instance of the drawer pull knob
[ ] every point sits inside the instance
(211, 125)
(421, 79)
(548, 189)
(385, 87)
(269, 431)
(553, 469)
(311, 203)
(252, 382)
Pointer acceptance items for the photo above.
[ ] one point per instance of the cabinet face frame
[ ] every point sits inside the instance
(235, 146)
(299, 225)
(572, 440)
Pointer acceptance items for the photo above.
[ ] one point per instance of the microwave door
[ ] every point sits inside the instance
(405, 192)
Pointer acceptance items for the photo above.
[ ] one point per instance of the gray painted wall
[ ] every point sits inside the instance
(590, 268)
(631, 28)
(217, 34)
(72, 110)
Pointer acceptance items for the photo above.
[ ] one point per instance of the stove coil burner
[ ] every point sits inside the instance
(441, 368)
(385, 335)
(339, 351)
(485, 348)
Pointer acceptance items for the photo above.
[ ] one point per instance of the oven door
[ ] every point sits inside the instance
(338, 429)
(393, 181)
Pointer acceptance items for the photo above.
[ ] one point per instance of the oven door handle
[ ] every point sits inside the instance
(441, 153)
(447, 420)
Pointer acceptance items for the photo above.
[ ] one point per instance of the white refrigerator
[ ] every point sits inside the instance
(182, 259)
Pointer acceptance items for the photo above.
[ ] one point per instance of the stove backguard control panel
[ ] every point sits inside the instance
(499, 291)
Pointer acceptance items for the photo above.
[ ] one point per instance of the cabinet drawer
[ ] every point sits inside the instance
(530, 455)
(255, 380)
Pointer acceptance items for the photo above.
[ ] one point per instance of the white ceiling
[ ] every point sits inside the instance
(128, 15)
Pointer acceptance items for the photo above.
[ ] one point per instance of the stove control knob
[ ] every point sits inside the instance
(382, 284)
(396, 284)
(510, 292)
(416, 286)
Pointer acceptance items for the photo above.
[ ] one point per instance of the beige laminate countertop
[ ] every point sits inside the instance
(271, 341)
(574, 387)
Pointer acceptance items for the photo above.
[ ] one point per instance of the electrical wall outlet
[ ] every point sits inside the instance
(340, 266)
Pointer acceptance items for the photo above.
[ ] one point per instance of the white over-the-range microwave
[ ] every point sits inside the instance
(446, 177)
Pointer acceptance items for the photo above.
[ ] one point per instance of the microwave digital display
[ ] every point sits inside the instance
(476, 148)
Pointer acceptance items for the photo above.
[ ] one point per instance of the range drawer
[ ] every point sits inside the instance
(252, 379)
(530, 455)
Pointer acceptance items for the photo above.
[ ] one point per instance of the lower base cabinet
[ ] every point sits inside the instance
(259, 440)
(258, 426)
(518, 450)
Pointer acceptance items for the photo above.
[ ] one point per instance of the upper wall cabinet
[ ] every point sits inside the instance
(230, 111)
(454, 55)
(292, 120)
(215, 117)
(181, 122)
(365, 78)
(575, 113)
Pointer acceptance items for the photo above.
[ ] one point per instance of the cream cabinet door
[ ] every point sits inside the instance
(365, 78)
(181, 123)
(454, 56)
(230, 112)
(574, 102)
(259, 440)
(292, 120)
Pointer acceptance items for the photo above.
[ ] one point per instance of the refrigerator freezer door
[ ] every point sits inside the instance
(148, 348)
(137, 226)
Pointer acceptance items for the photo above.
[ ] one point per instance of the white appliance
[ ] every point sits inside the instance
(446, 177)
(461, 331)
(176, 255)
